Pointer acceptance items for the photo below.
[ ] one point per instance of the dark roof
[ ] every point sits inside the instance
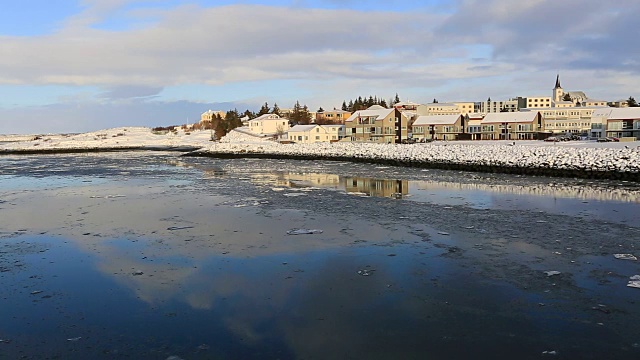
(558, 82)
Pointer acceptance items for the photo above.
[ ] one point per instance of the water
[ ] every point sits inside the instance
(110, 256)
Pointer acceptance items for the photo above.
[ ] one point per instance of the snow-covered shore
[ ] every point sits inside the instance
(582, 159)
(109, 139)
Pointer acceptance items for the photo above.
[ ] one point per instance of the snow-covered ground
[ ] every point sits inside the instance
(123, 137)
(572, 155)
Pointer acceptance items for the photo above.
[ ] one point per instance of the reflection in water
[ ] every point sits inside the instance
(171, 267)
(356, 185)
(399, 188)
(376, 187)
(568, 191)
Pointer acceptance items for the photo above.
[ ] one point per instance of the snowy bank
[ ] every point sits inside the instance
(617, 163)
(124, 138)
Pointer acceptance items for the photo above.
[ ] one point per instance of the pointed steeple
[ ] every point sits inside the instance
(558, 82)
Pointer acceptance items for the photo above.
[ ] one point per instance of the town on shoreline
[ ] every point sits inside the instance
(566, 115)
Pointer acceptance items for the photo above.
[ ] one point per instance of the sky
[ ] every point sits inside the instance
(84, 65)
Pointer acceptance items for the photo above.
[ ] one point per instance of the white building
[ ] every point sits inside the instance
(616, 122)
(307, 134)
(563, 120)
(442, 109)
(269, 124)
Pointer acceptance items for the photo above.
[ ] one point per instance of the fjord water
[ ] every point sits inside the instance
(151, 255)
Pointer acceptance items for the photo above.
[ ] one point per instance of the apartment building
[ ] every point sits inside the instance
(512, 126)
(377, 124)
(438, 127)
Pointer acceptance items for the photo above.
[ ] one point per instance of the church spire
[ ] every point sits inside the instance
(558, 82)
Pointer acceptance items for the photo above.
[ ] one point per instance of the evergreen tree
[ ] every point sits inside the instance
(351, 106)
(344, 106)
(305, 115)
(250, 114)
(232, 120)
(264, 109)
(383, 103)
(435, 101)
(296, 115)
(276, 109)
(566, 97)
(320, 109)
(220, 130)
(396, 99)
(632, 102)
(370, 101)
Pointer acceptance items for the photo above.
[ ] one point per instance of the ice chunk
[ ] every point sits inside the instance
(552, 273)
(172, 228)
(304, 231)
(634, 284)
(625, 257)
(365, 272)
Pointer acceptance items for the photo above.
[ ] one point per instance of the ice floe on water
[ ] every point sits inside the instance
(304, 231)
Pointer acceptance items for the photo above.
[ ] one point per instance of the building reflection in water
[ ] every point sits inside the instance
(354, 185)
(400, 188)
(376, 187)
(567, 191)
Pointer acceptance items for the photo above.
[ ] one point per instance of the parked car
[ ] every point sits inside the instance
(605, 139)
(551, 139)
(614, 139)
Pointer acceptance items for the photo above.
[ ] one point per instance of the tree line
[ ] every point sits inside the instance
(362, 103)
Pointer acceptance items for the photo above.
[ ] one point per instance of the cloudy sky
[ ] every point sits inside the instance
(80, 65)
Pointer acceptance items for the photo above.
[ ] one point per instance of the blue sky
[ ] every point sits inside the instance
(70, 66)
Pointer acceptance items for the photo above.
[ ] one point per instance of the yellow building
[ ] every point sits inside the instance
(332, 116)
(209, 115)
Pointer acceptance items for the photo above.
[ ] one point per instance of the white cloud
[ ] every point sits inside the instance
(473, 50)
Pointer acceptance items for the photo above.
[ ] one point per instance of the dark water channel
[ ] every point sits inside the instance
(154, 256)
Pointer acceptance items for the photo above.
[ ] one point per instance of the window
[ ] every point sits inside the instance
(317, 137)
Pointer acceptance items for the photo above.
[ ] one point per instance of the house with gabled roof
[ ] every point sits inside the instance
(307, 134)
(438, 127)
(527, 125)
(377, 124)
(269, 124)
